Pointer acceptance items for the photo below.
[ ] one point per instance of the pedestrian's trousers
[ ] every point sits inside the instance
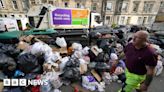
(132, 82)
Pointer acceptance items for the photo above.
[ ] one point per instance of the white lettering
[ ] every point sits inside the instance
(66, 18)
(22, 82)
(6, 82)
(57, 18)
(37, 82)
(30, 82)
(14, 82)
(40, 82)
(62, 15)
(45, 82)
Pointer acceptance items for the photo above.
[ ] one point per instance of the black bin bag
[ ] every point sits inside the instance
(28, 63)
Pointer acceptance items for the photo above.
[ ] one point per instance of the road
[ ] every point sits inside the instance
(157, 85)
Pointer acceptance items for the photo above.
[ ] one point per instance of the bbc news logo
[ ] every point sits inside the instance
(23, 82)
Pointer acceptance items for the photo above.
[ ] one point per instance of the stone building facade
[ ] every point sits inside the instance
(131, 12)
(13, 8)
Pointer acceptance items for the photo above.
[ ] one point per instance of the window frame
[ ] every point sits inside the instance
(65, 4)
(140, 19)
(148, 6)
(111, 6)
(15, 4)
(33, 2)
(2, 4)
(51, 2)
(126, 7)
(108, 19)
(78, 5)
(137, 3)
(94, 6)
(162, 4)
(122, 21)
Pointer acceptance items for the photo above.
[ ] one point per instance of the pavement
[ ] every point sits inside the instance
(157, 85)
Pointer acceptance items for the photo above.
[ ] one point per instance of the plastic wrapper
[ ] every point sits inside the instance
(52, 57)
(53, 80)
(158, 68)
(61, 42)
(63, 63)
(85, 50)
(77, 54)
(77, 46)
(40, 48)
(87, 59)
(113, 56)
(107, 78)
(89, 83)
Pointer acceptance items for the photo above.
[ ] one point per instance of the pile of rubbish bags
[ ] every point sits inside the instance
(63, 64)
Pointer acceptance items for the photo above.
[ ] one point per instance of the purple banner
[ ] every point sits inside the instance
(61, 17)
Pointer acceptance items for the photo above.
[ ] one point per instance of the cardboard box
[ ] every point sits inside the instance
(26, 38)
(23, 45)
(83, 68)
(1, 86)
(96, 75)
(61, 50)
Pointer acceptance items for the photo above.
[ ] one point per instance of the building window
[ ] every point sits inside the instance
(0, 15)
(20, 15)
(135, 6)
(51, 2)
(5, 15)
(13, 16)
(149, 19)
(15, 6)
(139, 21)
(109, 6)
(107, 20)
(162, 4)
(148, 6)
(119, 7)
(128, 20)
(124, 7)
(122, 20)
(1, 4)
(94, 6)
(66, 4)
(33, 2)
(24, 4)
(44, 1)
(144, 20)
(78, 5)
